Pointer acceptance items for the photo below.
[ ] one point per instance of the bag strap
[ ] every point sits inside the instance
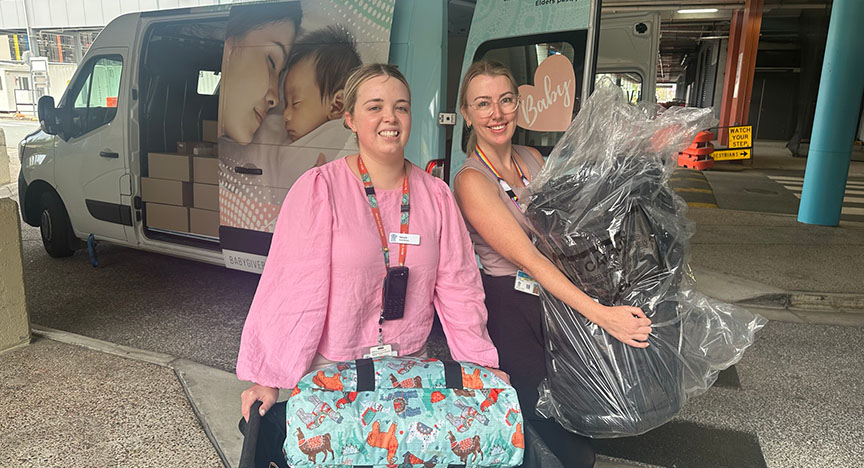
(370, 466)
(365, 375)
(452, 374)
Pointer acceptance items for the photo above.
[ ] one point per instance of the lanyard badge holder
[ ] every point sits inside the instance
(524, 282)
(395, 285)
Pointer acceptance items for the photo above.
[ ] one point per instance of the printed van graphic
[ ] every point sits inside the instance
(284, 68)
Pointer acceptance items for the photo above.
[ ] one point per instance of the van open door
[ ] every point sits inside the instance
(627, 53)
(549, 47)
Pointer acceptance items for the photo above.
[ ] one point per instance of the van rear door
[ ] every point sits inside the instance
(92, 155)
(522, 36)
(627, 53)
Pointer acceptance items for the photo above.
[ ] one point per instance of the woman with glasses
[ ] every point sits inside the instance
(487, 189)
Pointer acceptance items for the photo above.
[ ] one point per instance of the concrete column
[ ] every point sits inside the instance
(836, 118)
(5, 176)
(79, 49)
(14, 319)
(732, 74)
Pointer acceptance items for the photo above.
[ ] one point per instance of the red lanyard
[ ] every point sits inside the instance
(504, 185)
(376, 213)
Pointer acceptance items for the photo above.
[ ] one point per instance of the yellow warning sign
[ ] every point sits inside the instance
(741, 137)
(731, 154)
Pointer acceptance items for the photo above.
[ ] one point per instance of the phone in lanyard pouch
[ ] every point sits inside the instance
(395, 288)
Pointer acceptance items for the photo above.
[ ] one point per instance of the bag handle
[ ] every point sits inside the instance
(452, 374)
(366, 374)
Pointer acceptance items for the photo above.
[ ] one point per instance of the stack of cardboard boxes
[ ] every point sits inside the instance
(181, 193)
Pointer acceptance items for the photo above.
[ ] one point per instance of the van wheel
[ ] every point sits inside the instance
(55, 227)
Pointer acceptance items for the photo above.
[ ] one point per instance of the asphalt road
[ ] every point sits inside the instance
(794, 400)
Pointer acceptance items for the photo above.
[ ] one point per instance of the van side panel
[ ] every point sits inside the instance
(418, 44)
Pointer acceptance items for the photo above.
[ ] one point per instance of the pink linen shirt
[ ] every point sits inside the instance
(321, 286)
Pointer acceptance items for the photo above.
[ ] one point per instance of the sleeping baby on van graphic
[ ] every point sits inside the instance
(310, 128)
(318, 68)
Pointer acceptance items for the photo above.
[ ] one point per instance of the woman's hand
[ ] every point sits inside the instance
(500, 374)
(627, 324)
(266, 395)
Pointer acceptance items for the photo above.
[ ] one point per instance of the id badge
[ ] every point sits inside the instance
(380, 351)
(526, 284)
(407, 239)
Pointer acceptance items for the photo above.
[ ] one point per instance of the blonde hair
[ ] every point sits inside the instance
(365, 73)
(481, 67)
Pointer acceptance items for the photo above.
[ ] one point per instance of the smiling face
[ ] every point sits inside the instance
(305, 109)
(496, 129)
(381, 118)
(251, 85)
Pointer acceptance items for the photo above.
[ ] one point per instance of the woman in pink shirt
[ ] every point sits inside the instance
(320, 296)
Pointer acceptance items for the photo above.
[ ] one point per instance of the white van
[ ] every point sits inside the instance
(118, 157)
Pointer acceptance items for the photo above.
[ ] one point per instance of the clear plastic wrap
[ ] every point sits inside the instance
(603, 212)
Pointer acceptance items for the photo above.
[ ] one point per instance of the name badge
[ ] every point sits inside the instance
(526, 284)
(380, 351)
(399, 238)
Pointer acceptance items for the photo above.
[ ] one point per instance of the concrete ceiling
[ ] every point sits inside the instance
(682, 34)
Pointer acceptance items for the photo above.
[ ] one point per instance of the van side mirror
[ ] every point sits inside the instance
(48, 115)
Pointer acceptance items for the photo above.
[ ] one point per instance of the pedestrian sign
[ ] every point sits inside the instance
(731, 154)
(740, 137)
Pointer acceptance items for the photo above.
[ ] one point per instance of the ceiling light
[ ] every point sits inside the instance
(698, 10)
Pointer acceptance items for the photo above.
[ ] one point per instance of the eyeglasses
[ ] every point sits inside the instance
(486, 107)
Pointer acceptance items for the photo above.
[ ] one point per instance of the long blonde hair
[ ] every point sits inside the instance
(481, 67)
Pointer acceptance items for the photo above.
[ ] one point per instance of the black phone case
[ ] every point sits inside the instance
(395, 288)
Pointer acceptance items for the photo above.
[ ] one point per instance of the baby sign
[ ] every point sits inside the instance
(547, 106)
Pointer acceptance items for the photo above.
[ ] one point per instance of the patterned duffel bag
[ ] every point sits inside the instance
(402, 411)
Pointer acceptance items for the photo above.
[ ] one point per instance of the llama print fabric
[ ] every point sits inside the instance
(410, 419)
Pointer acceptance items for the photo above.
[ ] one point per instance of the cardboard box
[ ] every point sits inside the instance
(206, 197)
(169, 166)
(168, 217)
(203, 151)
(166, 192)
(204, 222)
(209, 131)
(205, 170)
(189, 147)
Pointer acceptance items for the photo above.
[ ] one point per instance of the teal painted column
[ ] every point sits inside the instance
(836, 117)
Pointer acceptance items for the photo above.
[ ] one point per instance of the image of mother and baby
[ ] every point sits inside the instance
(282, 99)
(319, 299)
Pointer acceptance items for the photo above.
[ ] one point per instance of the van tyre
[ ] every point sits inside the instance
(55, 227)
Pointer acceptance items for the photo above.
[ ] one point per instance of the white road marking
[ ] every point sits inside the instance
(851, 210)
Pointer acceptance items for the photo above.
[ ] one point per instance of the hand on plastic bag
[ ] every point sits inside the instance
(628, 325)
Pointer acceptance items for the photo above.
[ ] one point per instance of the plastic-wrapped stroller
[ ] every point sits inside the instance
(605, 215)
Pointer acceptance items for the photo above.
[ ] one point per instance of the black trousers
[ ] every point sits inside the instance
(515, 325)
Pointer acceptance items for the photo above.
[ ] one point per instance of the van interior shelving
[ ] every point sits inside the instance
(172, 108)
